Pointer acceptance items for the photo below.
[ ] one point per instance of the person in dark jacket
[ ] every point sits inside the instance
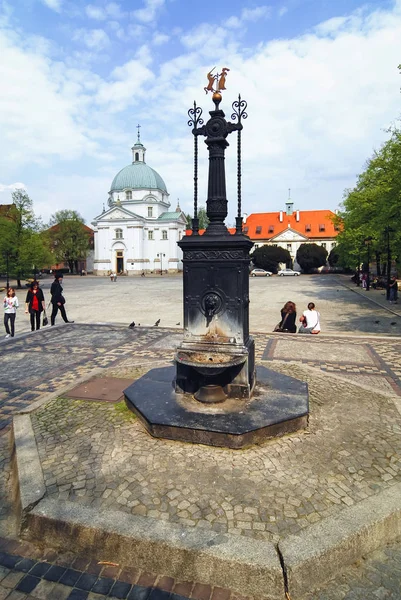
(288, 317)
(58, 299)
(35, 304)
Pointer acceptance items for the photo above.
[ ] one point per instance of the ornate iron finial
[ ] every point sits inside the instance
(139, 136)
(195, 121)
(239, 108)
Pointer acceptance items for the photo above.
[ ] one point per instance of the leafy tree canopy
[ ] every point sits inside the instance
(69, 239)
(202, 216)
(22, 244)
(269, 257)
(373, 205)
(311, 256)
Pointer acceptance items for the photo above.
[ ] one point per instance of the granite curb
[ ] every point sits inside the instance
(250, 567)
(31, 486)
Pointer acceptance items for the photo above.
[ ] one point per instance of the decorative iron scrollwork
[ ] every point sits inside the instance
(214, 255)
(195, 121)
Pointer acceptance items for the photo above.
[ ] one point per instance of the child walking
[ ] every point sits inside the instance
(10, 311)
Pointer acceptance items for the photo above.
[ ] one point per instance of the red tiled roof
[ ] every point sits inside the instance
(202, 231)
(310, 224)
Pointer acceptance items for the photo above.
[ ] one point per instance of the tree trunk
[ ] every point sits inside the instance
(19, 285)
(378, 264)
(71, 266)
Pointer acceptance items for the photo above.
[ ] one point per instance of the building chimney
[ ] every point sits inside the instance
(297, 215)
(281, 216)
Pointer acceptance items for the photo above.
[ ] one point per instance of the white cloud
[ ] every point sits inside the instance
(53, 4)
(111, 10)
(95, 12)
(94, 39)
(114, 11)
(255, 14)
(11, 187)
(282, 11)
(160, 38)
(148, 13)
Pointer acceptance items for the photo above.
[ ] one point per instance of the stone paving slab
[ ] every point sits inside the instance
(106, 389)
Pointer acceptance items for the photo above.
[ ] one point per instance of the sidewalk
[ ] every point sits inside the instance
(377, 297)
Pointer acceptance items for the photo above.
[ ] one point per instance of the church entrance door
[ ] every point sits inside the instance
(120, 261)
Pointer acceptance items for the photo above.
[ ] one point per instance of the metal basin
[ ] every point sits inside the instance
(209, 363)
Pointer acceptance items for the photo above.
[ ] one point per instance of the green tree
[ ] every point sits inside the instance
(334, 257)
(69, 239)
(311, 256)
(269, 257)
(21, 240)
(202, 216)
(372, 205)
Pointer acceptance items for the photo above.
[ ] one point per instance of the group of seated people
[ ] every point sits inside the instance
(310, 319)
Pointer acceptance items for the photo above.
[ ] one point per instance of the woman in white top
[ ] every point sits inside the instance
(310, 320)
(10, 311)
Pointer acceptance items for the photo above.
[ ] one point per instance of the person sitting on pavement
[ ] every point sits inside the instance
(310, 320)
(288, 318)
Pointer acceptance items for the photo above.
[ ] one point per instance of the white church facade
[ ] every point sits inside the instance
(138, 233)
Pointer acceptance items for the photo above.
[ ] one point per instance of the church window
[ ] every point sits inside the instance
(324, 246)
(289, 248)
(150, 235)
(271, 228)
(128, 195)
(259, 229)
(322, 227)
(307, 227)
(136, 156)
(150, 211)
(164, 235)
(119, 234)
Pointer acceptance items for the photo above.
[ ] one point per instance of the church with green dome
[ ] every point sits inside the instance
(138, 233)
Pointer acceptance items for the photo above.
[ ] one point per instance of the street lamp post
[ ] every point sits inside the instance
(388, 230)
(160, 255)
(358, 274)
(368, 241)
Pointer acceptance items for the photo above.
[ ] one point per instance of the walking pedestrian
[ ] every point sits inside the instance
(10, 311)
(35, 304)
(58, 300)
(310, 320)
(393, 289)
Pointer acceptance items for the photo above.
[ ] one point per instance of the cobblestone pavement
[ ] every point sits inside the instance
(28, 573)
(352, 380)
(105, 459)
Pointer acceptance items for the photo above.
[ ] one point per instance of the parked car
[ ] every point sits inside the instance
(284, 272)
(260, 273)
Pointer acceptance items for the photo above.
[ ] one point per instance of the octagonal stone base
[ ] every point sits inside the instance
(279, 405)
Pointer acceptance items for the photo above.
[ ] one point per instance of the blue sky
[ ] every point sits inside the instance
(320, 78)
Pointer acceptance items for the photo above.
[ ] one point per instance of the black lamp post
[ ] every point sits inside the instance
(388, 230)
(160, 255)
(368, 241)
(358, 274)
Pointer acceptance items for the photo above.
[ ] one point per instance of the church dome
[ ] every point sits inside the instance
(138, 176)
